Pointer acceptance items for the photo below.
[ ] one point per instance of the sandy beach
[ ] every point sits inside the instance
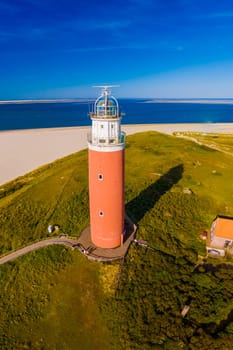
(22, 151)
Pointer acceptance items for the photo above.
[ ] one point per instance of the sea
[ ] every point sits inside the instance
(33, 115)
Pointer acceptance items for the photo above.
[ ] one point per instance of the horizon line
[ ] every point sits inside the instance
(227, 100)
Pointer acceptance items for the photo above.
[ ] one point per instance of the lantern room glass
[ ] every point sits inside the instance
(106, 106)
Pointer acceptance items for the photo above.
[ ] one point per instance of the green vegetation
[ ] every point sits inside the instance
(56, 193)
(56, 299)
(49, 300)
(223, 142)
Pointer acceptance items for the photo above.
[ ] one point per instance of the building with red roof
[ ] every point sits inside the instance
(221, 234)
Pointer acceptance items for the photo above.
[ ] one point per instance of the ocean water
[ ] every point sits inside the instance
(137, 111)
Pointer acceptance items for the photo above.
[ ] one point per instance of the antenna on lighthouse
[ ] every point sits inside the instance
(105, 88)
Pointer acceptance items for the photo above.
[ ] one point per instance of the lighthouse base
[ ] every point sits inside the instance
(87, 247)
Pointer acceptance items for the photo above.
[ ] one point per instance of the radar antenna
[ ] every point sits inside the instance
(105, 89)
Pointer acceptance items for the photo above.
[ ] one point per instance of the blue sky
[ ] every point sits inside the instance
(151, 48)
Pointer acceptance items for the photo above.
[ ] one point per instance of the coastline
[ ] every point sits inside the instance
(22, 151)
(193, 101)
(148, 100)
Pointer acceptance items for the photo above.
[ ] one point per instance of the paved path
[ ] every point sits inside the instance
(58, 240)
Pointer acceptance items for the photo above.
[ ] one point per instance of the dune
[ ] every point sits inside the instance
(22, 151)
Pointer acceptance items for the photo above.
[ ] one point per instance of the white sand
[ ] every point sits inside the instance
(22, 151)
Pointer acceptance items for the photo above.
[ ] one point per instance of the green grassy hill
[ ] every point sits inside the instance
(56, 299)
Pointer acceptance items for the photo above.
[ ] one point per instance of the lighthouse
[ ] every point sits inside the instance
(106, 144)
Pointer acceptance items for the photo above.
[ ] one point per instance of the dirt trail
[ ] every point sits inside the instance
(191, 138)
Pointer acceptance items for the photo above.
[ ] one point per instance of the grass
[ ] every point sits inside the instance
(55, 194)
(49, 300)
(55, 298)
(222, 142)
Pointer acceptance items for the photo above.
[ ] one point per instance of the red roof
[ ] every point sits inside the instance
(224, 227)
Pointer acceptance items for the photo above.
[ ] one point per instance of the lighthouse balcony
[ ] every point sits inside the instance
(106, 141)
(105, 115)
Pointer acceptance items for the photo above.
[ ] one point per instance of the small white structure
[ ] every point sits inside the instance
(214, 252)
(50, 228)
(185, 310)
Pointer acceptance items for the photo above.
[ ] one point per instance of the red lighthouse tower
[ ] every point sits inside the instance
(106, 146)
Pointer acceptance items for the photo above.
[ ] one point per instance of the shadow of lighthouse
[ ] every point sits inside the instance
(140, 205)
